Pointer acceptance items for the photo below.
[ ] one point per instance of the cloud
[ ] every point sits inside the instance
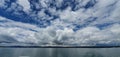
(86, 36)
(19, 32)
(97, 24)
(2, 3)
(25, 4)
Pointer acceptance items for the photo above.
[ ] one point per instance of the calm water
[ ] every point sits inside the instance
(59, 52)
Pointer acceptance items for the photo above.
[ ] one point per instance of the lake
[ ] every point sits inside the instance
(59, 52)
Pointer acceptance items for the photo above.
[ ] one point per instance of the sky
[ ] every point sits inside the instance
(60, 22)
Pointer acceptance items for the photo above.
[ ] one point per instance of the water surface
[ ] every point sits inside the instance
(59, 52)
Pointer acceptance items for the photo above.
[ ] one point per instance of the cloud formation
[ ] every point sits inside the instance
(61, 22)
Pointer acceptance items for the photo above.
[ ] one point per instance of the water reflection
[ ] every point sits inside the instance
(59, 52)
(93, 54)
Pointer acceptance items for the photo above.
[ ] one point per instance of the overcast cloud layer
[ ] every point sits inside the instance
(60, 22)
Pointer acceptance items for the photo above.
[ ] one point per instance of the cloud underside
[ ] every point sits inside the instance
(88, 22)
